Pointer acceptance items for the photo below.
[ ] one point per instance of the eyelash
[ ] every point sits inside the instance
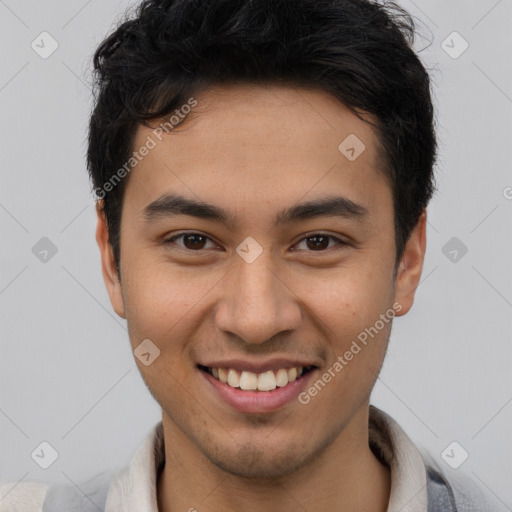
(171, 240)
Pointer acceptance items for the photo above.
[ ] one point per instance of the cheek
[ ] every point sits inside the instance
(358, 338)
(152, 299)
(163, 302)
(351, 299)
(350, 308)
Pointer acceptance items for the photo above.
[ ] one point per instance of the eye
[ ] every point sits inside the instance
(319, 241)
(191, 241)
(316, 242)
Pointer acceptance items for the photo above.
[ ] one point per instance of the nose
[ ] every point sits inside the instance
(257, 302)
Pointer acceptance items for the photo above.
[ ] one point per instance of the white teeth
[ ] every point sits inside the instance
(281, 378)
(250, 381)
(267, 381)
(233, 378)
(223, 374)
(292, 374)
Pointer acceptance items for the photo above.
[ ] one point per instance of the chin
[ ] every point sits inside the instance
(266, 462)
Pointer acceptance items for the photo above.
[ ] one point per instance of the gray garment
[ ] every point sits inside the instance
(442, 496)
(91, 497)
(439, 493)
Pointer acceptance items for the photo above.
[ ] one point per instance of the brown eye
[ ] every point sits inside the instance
(194, 241)
(190, 241)
(319, 242)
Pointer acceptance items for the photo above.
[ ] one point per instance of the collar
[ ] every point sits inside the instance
(134, 487)
(408, 475)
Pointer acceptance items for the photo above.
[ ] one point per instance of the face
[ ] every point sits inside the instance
(287, 264)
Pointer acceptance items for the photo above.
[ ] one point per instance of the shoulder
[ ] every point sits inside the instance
(87, 496)
(418, 477)
(26, 496)
(455, 493)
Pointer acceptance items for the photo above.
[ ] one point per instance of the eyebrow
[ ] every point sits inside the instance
(171, 205)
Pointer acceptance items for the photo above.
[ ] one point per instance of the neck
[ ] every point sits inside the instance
(345, 476)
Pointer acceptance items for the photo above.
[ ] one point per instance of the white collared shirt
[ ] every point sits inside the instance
(133, 488)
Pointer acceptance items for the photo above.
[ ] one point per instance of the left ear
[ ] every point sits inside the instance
(411, 265)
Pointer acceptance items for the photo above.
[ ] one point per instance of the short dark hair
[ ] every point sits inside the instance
(360, 51)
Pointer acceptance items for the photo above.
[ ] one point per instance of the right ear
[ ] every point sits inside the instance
(108, 266)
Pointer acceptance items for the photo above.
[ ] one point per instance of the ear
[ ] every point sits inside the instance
(108, 266)
(411, 265)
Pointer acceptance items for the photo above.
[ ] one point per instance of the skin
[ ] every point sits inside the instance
(254, 151)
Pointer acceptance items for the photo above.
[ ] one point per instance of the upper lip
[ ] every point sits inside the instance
(259, 366)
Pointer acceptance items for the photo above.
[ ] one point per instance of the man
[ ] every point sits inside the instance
(262, 171)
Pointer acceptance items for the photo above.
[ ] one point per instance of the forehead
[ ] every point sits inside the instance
(250, 145)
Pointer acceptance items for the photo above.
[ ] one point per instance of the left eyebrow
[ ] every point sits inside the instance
(329, 207)
(171, 205)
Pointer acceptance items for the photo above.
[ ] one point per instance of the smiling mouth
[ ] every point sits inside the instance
(250, 381)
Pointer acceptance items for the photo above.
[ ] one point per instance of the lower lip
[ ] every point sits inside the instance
(258, 401)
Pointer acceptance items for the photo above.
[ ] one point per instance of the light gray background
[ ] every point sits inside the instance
(67, 375)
